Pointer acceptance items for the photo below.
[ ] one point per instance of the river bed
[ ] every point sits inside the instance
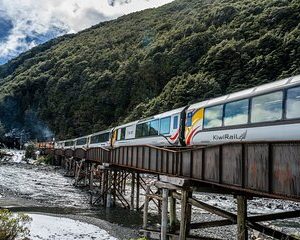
(59, 211)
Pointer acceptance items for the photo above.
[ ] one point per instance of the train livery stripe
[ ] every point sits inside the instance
(174, 137)
(188, 140)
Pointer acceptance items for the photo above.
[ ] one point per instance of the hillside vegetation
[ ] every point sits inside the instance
(149, 62)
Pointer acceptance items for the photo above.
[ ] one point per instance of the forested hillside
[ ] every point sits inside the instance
(148, 62)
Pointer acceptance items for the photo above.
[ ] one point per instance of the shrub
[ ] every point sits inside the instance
(13, 226)
(48, 159)
(30, 151)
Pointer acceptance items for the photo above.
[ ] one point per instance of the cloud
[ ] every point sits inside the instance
(33, 21)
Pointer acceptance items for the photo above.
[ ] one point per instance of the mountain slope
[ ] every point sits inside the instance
(148, 62)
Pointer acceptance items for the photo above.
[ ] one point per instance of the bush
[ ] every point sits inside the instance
(48, 159)
(13, 226)
(30, 151)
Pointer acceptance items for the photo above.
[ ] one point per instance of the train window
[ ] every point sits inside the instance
(81, 141)
(146, 129)
(189, 119)
(175, 122)
(100, 138)
(142, 130)
(154, 127)
(69, 143)
(267, 107)
(213, 116)
(119, 134)
(293, 103)
(165, 124)
(123, 132)
(139, 131)
(236, 113)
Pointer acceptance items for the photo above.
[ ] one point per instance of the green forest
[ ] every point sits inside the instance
(149, 62)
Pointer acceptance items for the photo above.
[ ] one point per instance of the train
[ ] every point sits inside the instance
(269, 112)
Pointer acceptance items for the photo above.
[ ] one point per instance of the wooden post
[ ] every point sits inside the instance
(172, 204)
(108, 196)
(132, 192)
(146, 206)
(86, 165)
(186, 211)
(115, 186)
(124, 185)
(92, 176)
(137, 192)
(164, 215)
(102, 189)
(241, 218)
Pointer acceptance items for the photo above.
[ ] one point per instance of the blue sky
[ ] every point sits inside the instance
(27, 23)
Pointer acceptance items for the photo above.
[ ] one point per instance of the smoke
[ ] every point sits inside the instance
(16, 123)
(36, 21)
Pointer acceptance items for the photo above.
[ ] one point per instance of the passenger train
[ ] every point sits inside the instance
(269, 112)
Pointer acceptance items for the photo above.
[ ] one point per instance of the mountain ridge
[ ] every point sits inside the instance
(149, 62)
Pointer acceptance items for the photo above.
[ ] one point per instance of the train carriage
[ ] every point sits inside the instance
(69, 144)
(81, 142)
(159, 130)
(269, 112)
(100, 139)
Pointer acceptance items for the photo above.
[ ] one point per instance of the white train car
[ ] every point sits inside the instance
(100, 139)
(69, 144)
(59, 145)
(269, 112)
(81, 142)
(159, 130)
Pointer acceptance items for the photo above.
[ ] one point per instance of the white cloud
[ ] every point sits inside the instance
(37, 17)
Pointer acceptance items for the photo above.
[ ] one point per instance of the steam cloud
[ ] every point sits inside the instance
(36, 21)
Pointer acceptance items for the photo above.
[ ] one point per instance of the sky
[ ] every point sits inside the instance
(27, 23)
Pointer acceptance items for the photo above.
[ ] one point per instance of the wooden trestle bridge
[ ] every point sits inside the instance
(245, 170)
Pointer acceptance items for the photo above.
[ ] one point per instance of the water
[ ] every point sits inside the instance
(44, 227)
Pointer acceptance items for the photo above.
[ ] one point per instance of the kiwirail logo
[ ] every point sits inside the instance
(230, 136)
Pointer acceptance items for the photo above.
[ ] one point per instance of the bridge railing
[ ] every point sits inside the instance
(146, 158)
(272, 168)
(99, 155)
(266, 168)
(79, 153)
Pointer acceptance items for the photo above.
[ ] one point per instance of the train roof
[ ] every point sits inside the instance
(126, 125)
(162, 115)
(100, 132)
(269, 87)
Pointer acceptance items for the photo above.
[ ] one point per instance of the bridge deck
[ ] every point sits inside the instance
(266, 169)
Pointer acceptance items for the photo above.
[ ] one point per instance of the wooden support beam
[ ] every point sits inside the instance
(270, 232)
(172, 210)
(170, 186)
(86, 168)
(207, 207)
(146, 208)
(181, 182)
(164, 214)
(115, 185)
(217, 223)
(241, 218)
(109, 186)
(132, 192)
(137, 205)
(185, 215)
(274, 216)
(154, 234)
(91, 181)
